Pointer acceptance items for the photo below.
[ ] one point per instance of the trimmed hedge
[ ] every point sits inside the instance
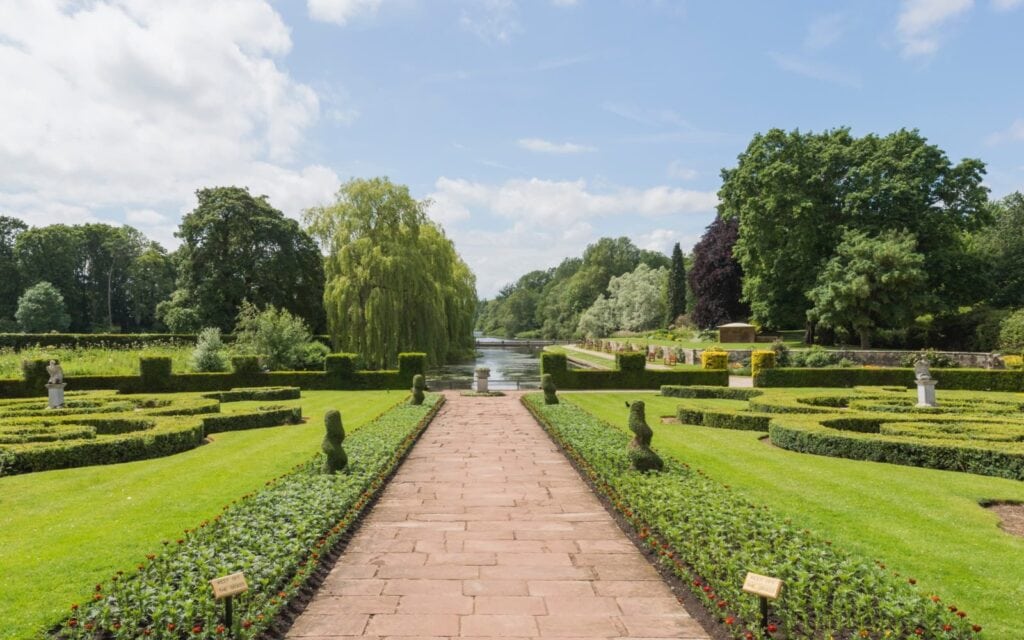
(760, 361)
(258, 419)
(721, 393)
(556, 365)
(257, 393)
(156, 376)
(714, 359)
(19, 341)
(970, 379)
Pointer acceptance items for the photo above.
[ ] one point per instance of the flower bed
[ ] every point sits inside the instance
(276, 535)
(710, 538)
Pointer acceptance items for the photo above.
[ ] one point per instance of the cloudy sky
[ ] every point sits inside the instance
(534, 126)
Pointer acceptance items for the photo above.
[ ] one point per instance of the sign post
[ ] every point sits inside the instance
(226, 588)
(766, 588)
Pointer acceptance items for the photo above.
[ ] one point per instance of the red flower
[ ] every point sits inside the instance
(936, 598)
(197, 629)
(220, 628)
(722, 604)
(962, 614)
(73, 622)
(947, 627)
(730, 620)
(147, 631)
(772, 628)
(170, 626)
(976, 628)
(919, 631)
(912, 581)
(74, 607)
(246, 624)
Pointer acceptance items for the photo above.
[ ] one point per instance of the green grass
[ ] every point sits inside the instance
(63, 531)
(93, 361)
(923, 523)
(609, 361)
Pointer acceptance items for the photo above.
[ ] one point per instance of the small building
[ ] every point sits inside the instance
(737, 332)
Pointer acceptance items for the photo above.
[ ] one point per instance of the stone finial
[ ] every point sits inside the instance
(640, 453)
(922, 370)
(337, 459)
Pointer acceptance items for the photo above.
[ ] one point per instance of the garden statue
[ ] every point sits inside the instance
(337, 459)
(56, 373)
(419, 383)
(925, 384)
(640, 453)
(548, 385)
(55, 385)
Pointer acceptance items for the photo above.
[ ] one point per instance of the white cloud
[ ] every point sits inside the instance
(129, 106)
(824, 31)
(679, 171)
(492, 20)
(1006, 5)
(562, 202)
(340, 11)
(815, 69)
(920, 20)
(547, 221)
(144, 216)
(1014, 133)
(649, 117)
(662, 240)
(546, 146)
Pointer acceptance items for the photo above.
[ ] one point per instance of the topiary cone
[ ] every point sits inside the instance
(419, 383)
(640, 453)
(548, 385)
(337, 459)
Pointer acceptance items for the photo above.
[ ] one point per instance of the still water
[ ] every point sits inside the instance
(509, 366)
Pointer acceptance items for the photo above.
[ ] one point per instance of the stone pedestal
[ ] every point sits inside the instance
(56, 393)
(481, 384)
(926, 393)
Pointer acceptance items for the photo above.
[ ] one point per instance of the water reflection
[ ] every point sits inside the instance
(511, 368)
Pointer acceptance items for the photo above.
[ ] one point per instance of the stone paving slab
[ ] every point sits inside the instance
(486, 531)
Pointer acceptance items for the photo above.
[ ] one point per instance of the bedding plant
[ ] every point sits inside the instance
(710, 538)
(276, 535)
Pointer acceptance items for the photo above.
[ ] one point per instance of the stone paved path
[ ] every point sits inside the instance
(487, 532)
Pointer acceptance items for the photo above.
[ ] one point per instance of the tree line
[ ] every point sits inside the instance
(370, 269)
(877, 240)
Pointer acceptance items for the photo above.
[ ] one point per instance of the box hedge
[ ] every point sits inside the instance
(760, 361)
(20, 341)
(969, 379)
(155, 375)
(714, 359)
(564, 378)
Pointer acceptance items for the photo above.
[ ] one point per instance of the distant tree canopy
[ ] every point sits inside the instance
(393, 280)
(716, 278)
(41, 308)
(635, 302)
(794, 194)
(237, 247)
(549, 303)
(675, 291)
(1000, 248)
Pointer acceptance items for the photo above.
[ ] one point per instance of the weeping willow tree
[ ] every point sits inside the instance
(393, 280)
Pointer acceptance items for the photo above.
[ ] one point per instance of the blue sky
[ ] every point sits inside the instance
(534, 126)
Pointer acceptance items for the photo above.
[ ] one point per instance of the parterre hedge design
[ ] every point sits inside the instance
(276, 535)
(710, 538)
(106, 428)
(966, 432)
(969, 379)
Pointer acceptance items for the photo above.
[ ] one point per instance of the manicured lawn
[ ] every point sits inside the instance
(606, 361)
(923, 523)
(95, 362)
(63, 531)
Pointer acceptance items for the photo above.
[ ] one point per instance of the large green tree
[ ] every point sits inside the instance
(56, 254)
(676, 287)
(41, 308)
(150, 281)
(635, 302)
(1000, 248)
(10, 278)
(393, 280)
(871, 283)
(794, 194)
(238, 247)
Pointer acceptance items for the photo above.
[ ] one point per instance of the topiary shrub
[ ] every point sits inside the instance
(714, 359)
(419, 383)
(640, 453)
(548, 385)
(34, 372)
(761, 360)
(245, 364)
(631, 361)
(155, 373)
(341, 364)
(337, 459)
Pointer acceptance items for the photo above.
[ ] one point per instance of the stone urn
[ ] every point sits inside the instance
(482, 374)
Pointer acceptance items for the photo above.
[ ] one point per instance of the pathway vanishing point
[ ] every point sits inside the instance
(486, 531)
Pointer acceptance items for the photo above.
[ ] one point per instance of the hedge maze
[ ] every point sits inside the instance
(103, 427)
(974, 432)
